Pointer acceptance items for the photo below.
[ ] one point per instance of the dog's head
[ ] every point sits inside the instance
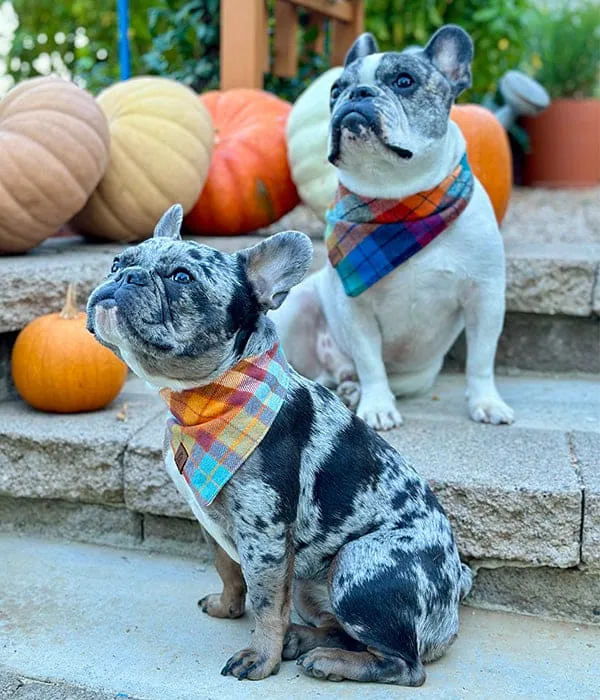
(181, 313)
(395, 106)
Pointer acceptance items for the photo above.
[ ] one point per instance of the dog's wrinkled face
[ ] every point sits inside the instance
(179, 312)
(395, 106)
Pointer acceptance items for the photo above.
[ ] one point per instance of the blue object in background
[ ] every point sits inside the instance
(123, 27)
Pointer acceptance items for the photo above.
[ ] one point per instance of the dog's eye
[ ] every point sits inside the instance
(115, 266)
(182, 276)
(404, 80)
(335, 93)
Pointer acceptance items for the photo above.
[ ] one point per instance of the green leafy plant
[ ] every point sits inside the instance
(185, 47)
(185, 43)
(564, 48)
(77, 38)
(497, 28)
(180, 39)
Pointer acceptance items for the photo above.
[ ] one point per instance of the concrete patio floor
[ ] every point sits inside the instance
(125, 624)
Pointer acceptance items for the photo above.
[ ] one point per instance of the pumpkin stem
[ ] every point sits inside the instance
(70, 309)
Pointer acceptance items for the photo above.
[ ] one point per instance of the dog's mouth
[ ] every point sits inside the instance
(403, 153)
(359, 120)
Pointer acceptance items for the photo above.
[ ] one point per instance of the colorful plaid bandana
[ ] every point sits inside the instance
(214, 429)
(368, 238)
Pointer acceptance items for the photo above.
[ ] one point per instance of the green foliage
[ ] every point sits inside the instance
(78, 36)
(185, 46)
(185, 43)
(497, 28)
(180, 39)
(564, 48)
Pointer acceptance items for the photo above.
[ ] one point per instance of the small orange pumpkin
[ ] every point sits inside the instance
(59, 367)
(489, 153)
(249, 183)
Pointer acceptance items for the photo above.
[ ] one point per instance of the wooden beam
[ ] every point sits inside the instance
(286, 39)
(243, 38)
(344, 33)
(335, 9)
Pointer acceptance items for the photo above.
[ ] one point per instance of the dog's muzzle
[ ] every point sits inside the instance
(356, 117)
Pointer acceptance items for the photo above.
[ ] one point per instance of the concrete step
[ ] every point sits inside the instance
(552, 242)
(126, 625)
(524, 499)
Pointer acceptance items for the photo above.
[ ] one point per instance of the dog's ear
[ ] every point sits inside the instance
(450, 50)
(275, 265)
(170, 222)
(365, 45)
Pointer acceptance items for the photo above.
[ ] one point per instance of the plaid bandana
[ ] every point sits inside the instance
(368, 238)
(215, 428)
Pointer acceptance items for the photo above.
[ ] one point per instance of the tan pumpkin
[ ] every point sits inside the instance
(307, 132)
(54, 151)
(161, 145)
(58, 366)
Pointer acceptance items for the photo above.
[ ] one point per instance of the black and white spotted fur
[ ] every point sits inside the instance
(324, 502)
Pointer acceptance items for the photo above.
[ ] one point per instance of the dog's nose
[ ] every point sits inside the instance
(361, 92)
(137, 276)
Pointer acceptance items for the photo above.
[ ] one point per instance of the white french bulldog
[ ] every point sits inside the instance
(391, 137)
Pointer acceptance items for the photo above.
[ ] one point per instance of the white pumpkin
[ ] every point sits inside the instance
(307, 130)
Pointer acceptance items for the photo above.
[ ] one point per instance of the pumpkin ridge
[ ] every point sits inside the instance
(149, 178)
(51, 112)
(24, 207)
(157, 139)
(90, 152)
(161, 118)
(62, 165)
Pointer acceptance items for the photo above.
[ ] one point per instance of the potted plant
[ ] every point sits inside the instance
(564, 141)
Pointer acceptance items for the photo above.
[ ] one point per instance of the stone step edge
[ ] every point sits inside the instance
(571, 594)
(539, 281)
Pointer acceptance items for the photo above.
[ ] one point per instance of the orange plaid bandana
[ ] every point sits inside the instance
(368, 238)
(214, 429)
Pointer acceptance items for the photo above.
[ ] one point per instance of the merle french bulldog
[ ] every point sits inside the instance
(323, 506)
(390, 138)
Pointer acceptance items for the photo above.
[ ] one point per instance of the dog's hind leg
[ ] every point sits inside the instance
(232, 601)
(376, 589)
(311, 601)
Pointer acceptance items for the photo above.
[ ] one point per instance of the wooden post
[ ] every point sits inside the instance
(344, 33)
(243, 43)
(286, 39)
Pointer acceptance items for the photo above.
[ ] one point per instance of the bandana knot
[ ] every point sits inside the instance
(215, 428)
(368, 238)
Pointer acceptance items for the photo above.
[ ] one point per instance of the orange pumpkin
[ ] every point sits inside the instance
(58, 366)
(249, 184)
(489, 153)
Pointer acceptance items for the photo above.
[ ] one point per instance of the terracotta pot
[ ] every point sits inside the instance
(565, 145)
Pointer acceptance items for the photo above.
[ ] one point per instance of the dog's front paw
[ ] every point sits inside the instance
(490, 410)
(380, 417)
(214, 606)
(349, 392)
(250, 664)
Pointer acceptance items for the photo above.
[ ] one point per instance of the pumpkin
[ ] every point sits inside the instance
(307, 134)
(54, 151)
(249, 183)
(58, 366)
(488, 149)
(161, 144)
